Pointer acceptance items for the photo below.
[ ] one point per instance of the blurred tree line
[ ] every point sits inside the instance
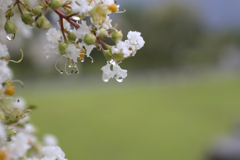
(174, 35)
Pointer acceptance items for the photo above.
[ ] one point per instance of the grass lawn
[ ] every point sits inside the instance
(142, 120)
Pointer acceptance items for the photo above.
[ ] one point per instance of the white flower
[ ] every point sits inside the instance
(50, 49)
(107, 24)
(122, 47)
(19, 103)
(5, 72)
(120, 73)
(3, 50)
(108, 2)
(82, 8)
(66, 25)
(53, 35)
(116, 72)
(84, 29)
(88, 48)
(3, 134)
(18, 146)
(135, 38)
(50, 140)
(107, 72)
(72, 52)
(53, 153)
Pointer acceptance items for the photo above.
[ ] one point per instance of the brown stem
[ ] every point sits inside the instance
(19, 7)
(105, 44)
(61, 14)
(62, 29)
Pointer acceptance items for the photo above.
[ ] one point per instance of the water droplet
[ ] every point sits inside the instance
(31, 26)
(105, 80)
(120, 79)
(10, 37)
(61, 72)
(112, 61)
(82, 60)
(71, 65)
(75, 18)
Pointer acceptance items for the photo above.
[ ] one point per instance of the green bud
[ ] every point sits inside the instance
(62, 48)
(89, 39)
(43, 23)
(9, 13)
(55, 4)
(107, 54)
(10, 27)
(103, 33)
(27, 17)
(118, 57)
(71, 37)
(37, 10)
(116, 36)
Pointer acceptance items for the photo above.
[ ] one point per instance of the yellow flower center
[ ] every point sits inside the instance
(10, 90)
(3, 155)
(113, 8)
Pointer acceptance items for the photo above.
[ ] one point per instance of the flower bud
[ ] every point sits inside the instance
(118, 57)
(27, 17)
(116, 36)
(10, 27)
(71, 37)
(9, 13)
(37, 10)
(62, 48)
(55, 4)
(43, 23)
(89, 39)
(103, 33)
(107, 54)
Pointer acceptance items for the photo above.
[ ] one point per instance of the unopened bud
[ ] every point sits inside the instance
(103, 33)
(89, 39)
(27, 17)
(37, 10)
(116, 36)
(10, 27)
(62, 48)
(71, 37)
(107, 54)
(9, 13)
(43, 23)
(55, 4)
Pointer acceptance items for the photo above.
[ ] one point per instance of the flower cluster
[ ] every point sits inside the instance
(76, 37)
(17, 135)
(83, 25)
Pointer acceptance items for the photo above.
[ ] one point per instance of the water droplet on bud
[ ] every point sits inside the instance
(10, 37)
(31, 26)
(75, 18)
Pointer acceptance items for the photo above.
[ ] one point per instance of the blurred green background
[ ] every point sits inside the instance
(182, 88)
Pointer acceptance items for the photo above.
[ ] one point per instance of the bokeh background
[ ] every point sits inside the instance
(182, 88)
